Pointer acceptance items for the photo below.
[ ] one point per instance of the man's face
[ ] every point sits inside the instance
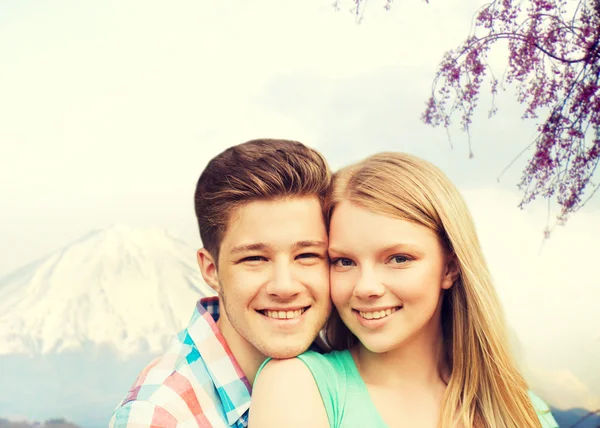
(273, 275)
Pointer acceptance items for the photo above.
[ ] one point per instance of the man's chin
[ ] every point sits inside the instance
(284, 352)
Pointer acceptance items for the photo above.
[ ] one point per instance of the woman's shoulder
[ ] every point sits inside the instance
(308, 361)
(543, 411)
(292, 387)
(282, 371)
(335, 360)
(329, 371)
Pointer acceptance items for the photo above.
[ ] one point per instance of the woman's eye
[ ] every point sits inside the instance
(399, 259)
(342, 262)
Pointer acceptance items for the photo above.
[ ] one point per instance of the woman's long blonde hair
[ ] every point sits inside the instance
(485, 388)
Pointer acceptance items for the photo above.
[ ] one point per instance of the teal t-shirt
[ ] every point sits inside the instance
(346, 397)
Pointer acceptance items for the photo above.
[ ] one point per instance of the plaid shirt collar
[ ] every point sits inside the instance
(230, 382)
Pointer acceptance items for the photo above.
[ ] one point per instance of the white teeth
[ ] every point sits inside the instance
(377, 314)
(283, 315)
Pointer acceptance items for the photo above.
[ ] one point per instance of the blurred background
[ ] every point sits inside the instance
(110, 110)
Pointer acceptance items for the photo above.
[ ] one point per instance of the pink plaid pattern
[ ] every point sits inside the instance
(197, 382)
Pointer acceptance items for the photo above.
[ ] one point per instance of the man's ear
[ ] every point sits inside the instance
(208, 269)
(452, 272)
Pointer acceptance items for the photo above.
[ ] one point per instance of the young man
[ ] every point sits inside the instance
(259, 210)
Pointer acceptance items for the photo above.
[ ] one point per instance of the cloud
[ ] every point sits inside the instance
(549, 288)
(110, 110)
(562, 389)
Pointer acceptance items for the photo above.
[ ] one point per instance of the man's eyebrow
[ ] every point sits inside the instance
(259, 246)
(305, 244)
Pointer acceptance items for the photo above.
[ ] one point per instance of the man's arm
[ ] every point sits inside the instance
(141, 414)
(285, 394)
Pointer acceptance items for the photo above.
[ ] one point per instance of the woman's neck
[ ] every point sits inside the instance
(418, 362)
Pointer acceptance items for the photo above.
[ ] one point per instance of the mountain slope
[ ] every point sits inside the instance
(120, 287)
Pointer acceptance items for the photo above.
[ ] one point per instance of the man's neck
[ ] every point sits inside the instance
(246, 355)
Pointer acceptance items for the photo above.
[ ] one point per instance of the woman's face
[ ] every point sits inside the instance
(387, 277)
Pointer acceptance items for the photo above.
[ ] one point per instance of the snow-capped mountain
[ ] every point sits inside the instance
(125, 288)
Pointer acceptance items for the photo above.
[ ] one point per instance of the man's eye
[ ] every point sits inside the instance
(342, 262)
(253, 259)
(308, 256)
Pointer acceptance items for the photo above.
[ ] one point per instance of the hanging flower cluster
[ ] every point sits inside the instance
(554, 63)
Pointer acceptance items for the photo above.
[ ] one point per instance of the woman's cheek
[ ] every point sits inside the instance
(411, 283)
(340, 288)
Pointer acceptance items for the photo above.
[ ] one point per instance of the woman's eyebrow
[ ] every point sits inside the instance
(336, 250)
(402, 246)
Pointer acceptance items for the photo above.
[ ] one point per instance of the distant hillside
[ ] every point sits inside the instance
(50, 423)
(77, 327)
(131, 289)
(573, 418)
(84, 386)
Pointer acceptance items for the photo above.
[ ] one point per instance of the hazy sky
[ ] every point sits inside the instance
(109, 111)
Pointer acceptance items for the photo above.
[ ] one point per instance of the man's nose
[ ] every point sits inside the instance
(283, 283)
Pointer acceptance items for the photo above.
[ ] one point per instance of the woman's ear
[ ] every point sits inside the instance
(208, 269)
(452, 272)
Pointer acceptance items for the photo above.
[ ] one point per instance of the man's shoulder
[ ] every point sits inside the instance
(172, 388)
(142, 413)
(182, 357)
(162, 383)
(180, 361)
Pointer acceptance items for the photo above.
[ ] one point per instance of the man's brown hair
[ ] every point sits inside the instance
(264, 169)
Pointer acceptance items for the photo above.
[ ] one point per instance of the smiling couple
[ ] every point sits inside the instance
(416, 332)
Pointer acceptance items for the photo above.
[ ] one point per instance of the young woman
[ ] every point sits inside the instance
(418, 330)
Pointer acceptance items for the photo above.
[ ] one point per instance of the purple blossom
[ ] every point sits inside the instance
(554, 61)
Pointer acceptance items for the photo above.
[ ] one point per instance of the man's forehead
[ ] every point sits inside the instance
(279, 223)
(303, 211)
